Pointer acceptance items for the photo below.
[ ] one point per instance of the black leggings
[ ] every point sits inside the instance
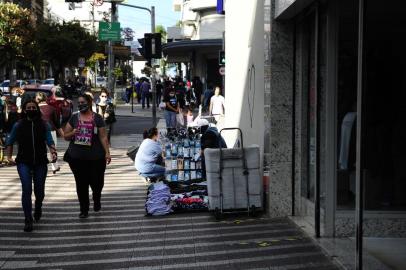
(88, 173)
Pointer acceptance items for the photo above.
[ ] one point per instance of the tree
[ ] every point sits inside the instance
(161, 29)
(96, 57)
(63, 44)
(16, 32)
(164, 35)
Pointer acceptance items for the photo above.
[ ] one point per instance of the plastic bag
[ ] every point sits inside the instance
(180, 119)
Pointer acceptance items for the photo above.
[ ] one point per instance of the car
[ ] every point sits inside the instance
(33, 81)
(49, 81)
(5, 85)
(56, 98)
(101, 82)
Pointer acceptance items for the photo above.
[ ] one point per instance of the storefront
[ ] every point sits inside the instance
(337, 102)
(200, 57)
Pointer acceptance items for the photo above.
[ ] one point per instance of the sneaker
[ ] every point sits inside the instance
(28, 225)
(83, 214)
(96, 206)
(37, 214)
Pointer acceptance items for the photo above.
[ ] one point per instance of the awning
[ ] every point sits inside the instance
(181, 51)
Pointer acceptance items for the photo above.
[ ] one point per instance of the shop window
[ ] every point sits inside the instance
(384, 122)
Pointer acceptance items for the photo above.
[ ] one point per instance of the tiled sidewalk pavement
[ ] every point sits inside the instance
(121, 237)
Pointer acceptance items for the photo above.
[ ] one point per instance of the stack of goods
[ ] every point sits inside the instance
(158, 199)
(184, 172)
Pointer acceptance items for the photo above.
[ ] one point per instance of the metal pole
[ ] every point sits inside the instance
(293, 134)
(132, 86)
(152, 12)
(317, 82)
(110, 54)
(153, 82)
(359, 196)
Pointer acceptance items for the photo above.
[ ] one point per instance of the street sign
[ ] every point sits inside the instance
(81, 62)
(222, 71)
(109, 31)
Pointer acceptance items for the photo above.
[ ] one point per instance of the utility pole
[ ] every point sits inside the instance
(110, 52)
(93, 28)
(153, 81)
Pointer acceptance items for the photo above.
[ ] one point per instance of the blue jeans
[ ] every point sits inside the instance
(29, 174)
(170, 118)
(144, 96)
(156, 170)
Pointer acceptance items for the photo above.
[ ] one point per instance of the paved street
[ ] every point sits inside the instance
(120, 237)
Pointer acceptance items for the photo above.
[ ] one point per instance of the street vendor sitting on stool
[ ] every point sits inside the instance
(148, 160)
(211, 138)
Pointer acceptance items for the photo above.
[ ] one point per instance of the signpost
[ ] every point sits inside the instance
(109, 31)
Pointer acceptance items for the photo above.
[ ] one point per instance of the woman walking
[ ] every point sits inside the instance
(50, 116)
(87, 154)
(32, 135)
(105, 108)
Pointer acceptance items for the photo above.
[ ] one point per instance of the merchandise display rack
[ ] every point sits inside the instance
(181, 153)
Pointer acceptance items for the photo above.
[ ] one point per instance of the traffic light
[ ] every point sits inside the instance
(152, 45)
(141, 50)
(222, 58)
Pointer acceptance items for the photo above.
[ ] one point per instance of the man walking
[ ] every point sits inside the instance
(145, 88)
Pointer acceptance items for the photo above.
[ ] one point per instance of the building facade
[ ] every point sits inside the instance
(318, 117)
(197, 41)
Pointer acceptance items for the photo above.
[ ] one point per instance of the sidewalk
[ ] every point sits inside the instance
(121, 237)
(125, 110)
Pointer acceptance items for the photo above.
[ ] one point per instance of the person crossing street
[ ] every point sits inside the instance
(32, 135)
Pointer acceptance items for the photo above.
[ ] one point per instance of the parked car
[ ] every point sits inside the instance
(5, 85)
(49, 81)
(63, 105)
(101, 82)
(33, 81)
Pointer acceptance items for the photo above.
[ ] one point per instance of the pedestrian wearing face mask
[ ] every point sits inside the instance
(87, 154)
(105, 108)
(32, 135)
(171, 109)
(49, 115)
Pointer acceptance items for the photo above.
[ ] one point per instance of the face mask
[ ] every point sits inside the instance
(31, 113)
(171, 95)
(83, 107)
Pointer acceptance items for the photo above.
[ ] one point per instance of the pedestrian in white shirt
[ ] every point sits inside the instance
(217, 107)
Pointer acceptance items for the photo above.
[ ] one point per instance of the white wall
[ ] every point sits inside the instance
(244, 50)
(211, 26)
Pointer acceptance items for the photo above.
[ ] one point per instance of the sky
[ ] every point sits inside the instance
(137, 19)
(140, 20)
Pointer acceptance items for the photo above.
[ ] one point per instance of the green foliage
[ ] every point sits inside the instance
(161, 29)
(16, 30)
(91, 62)
(117, 72)
(63, 44)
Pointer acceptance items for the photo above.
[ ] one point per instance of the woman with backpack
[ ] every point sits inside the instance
(87, 154)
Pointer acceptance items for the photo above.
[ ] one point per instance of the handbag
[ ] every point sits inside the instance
(132, 152)
(162, 105)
